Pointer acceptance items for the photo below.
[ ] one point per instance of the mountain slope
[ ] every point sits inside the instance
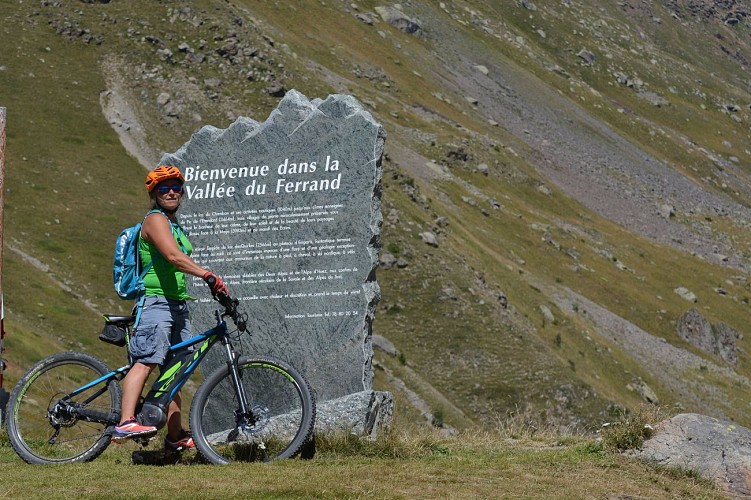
(576, 163)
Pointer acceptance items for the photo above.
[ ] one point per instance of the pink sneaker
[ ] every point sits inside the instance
(184, 443)
(131, 428)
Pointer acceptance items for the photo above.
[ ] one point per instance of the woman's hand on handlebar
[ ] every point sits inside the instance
(215, 283)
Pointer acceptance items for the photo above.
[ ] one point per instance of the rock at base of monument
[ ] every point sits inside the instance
(366, 413)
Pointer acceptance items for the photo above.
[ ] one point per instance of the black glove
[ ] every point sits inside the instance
(215, 283)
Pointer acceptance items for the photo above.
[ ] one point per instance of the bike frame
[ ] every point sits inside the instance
(182, 364)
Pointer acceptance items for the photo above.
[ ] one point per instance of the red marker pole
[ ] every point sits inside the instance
(3, 394)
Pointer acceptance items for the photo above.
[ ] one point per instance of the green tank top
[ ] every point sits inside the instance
(164, 279)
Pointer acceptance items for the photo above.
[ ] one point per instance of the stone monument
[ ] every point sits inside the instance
(288, 213)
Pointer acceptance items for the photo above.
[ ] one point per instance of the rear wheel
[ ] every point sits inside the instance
(46, 425)
(280, 418)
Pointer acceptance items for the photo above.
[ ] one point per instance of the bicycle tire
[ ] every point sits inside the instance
(280, 400)
(30, 420)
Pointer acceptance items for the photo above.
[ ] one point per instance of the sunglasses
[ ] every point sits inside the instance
(177, 188)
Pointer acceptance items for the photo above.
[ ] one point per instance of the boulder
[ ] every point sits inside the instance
(654, 99)
(717, 450)
(365, 413)
(547, 314)
(686, 294)
(588, 56)
(399, 20)
(482, 69)
(725, 342)
(382, 343)
(429, 238)
(719, 339)
(647, 393)
(387, 260)
(666, 211)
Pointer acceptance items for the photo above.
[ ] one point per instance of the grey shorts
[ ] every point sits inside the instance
(164, 322)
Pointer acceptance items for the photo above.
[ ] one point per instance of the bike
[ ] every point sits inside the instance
(253, 408)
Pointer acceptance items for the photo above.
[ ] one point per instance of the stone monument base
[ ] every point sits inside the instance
(366, 413)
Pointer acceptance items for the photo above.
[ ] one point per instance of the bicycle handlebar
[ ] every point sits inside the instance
(230, 310)
(230, 306)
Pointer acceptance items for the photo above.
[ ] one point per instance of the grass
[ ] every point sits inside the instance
(406, 464)
(630, 432)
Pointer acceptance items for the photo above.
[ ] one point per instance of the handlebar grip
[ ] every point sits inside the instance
(225, 300)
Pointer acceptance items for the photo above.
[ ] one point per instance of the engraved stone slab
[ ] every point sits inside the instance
(288, 212)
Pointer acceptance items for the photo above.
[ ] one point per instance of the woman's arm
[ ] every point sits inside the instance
(157, 230)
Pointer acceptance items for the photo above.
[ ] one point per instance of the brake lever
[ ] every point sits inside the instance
(242, 325)
(230, 309)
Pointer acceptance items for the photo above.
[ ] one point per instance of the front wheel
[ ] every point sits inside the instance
(279, 420)
(54, 417)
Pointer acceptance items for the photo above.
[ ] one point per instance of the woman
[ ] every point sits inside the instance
(163, 319)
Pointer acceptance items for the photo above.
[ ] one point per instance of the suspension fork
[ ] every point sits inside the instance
(235, 375)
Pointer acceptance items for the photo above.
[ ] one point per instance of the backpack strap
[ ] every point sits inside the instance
(148, 267)
(180, 240)
(137, 308)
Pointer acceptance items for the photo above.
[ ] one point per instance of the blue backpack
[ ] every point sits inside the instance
(126, 270)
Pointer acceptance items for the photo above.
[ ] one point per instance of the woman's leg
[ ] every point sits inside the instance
(174, 418)
(132, 386)
(181, 331)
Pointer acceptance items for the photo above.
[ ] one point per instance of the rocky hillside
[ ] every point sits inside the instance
(566, 184)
